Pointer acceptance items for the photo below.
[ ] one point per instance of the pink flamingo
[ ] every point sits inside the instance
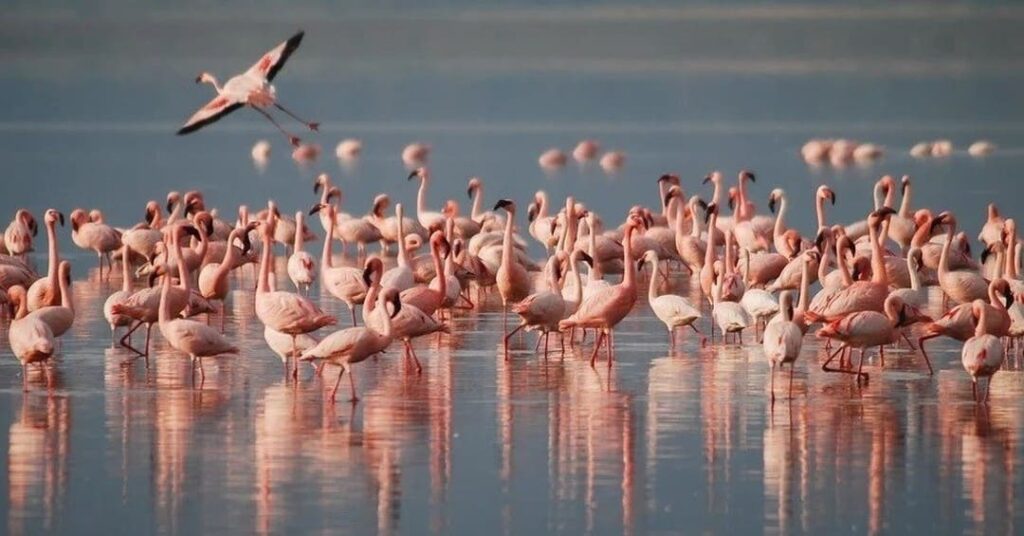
(343, 282)
(512, 279)
(94, 236)
(119, 296)
(46, 291)
(301, 266)
(252, 88)
(958, 323)
(865, 329)
(783, 339)
(213, 278)
(193, 338)
(285, 312)
(541, 310)
(426, 298)
(604, 309)
(30, 337)
(982, 354)
(963, 286)
(19, 233)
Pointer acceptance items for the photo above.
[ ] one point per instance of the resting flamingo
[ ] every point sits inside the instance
(94, 236)
(252, 88)
(19, 233)
(60, 317)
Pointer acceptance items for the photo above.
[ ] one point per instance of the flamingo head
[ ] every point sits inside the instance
(710, 210)
(673, 192)
(472, 187)
(904, 184)
(390, 295)
(824, 192)
(507, 204)
(373, 267)
(52, 217)
(206, 78)
(322, 181)
(418, 173)
(733, 195)
(746, 174)
(380, 204)
(78, 217)
(531, 212)
(774, 199)
(173, 198)
(715, 177)
(669, 178)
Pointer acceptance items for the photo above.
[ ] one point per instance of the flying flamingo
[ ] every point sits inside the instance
(783, 339)
(251, 88)
(286, 312)
(983, 353)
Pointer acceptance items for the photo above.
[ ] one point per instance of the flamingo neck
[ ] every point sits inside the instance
(230, 256)
(805, 283)
(695, 224)
(595, 267)
(164, 312)
(299, 239)
(780, 225)
(22, 307)
(877, 262)
(370, 303)
(325, 255)
(126, 280)
(476, 213)
(915, 279)
(876, 195)
(1011, 258)
(421, 198)
(403, 254)
(183, 273)
(54, 258)
(65, 293)
(263, 284)
(844, 269)
(819, 208)
(542, 208)
(575, 269)
(439, 269)
(980, 329)
(993, 298)
(652, 289)
(210, 79)
(729, 240)
(629, 269)
(709, 250)
(905, 202)
(506, 243)
(944, 255)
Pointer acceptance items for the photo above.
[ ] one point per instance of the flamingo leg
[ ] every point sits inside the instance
(509, 336)
(597, 348)
(609, 347)
(860, 366)
(974, 389)
(546, 335)
(771, 382)
(412, 354)
(352, 385)
(24, 378)
(295, 359)
(126, 339)
(791, 381)
(334, 392)
(292, 139)
(920, 344)
(312, 125)
(832, 356)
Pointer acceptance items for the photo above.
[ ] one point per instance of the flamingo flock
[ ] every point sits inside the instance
(862, 286)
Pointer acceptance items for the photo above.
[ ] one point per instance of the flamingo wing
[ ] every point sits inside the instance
(209, 113)
(271, 62)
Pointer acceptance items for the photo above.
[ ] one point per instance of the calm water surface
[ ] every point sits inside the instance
(665, 441)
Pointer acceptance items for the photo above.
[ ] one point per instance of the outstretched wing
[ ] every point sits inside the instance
(211, 112)
(272, 61)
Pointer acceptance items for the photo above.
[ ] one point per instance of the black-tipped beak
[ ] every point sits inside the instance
(170, 205)
(199, 78)
(469, 192)
(152, 278)
(246, 243)
(503, 203)
(60, 216)
(587, 258)
(986, 253)
(191, 231)
(884, 212)
(315, 208)
(33, 226)
(832, 197)
(771, 204)
(446, 248)
(415, 173)
(706, 180)
(819, 241)
(640, 264)
(711, 209)
(732, 203)
(149, 217)
(748, 175)
(74, 226)
(531, 213)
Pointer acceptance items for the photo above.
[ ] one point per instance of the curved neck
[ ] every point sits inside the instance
(51, 237)
(595, 267)
(820, 210)
(372, 293)
(709, 250)
(22, 307)
(164, 313)
(230, 256)
(944, 256)
(844, 270)
(994, 299)
(652, 289)
(1011, 258)
(210, 79)
(182, 267)
(542, 208)
(980, 330)
(696, 226)
(915, 279)
(780, 217)
(716, 197)
(575, 269)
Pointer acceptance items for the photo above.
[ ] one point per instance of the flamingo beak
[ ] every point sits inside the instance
(832, 197)
(748, 175)
(170, 205)
(316, 208)
(504, 203)
(199, 78)
(706, 180)
(317, 186)
(771, 204)
(367, 273)
(413, 174)
(587, 258)
(60, 216)
(397, 303)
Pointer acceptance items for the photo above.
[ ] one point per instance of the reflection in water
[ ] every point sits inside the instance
(37, 458)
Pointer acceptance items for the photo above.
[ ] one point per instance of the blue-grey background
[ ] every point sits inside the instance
(93, 93)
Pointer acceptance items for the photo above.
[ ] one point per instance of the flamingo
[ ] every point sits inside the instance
(19, 233)
(343, 282)
(120, 296)
(783, 339)
(427, 298)
(512, 279)
(252, 88)
(286, 312)
(992, 230)
(407, 324)
(351, 230)
(46, 291)
(301, 266)
(902, 225)
(864, 329)
(193, 338)
(957, 323)
(982, 354)
(401, 277)
(213, 278)
(730, 316)
(606, 307)
(349, 346)
(430, 220)
(98, 237)
(963, 286)
(541, 310)
(143, 237)
(30, 337)
(673, 310)
(60, 317)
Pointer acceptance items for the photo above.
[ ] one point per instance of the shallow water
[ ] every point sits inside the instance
(682, 441)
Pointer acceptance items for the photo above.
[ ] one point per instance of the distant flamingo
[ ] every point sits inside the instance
(251, 88)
